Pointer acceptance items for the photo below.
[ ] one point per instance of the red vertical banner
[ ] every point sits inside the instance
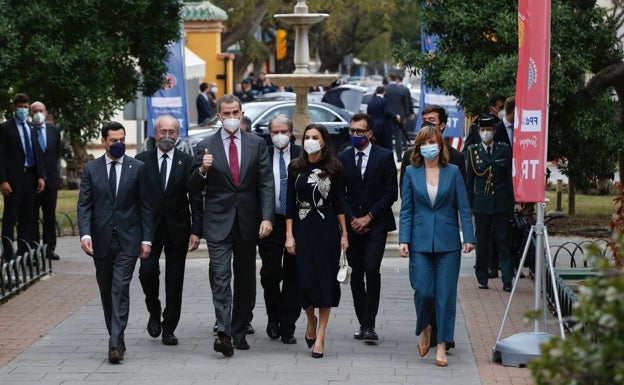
(530, 138)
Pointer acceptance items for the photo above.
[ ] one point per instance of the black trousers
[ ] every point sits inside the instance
(483, 234)
(149, 275)
(364, 255)
(279, 268)
(19, 209)
(46, 202)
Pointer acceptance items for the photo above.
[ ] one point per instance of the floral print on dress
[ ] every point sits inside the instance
(322, 185)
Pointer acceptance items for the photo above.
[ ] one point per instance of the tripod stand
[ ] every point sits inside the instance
(520, 348)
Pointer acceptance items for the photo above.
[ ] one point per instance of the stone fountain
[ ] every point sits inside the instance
(301, 80)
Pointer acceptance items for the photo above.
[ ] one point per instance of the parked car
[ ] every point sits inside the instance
(336, 121)
(346, 96)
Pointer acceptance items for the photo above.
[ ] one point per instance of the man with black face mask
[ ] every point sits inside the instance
(177, 229)
(115, 220)
(370, 180)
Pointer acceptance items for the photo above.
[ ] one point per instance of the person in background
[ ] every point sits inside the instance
(245, 123)
(370, 180)
(115, 220)
(316, 229)
(177, 222)
(49, 138)
(491, 197)
(204, 112)
(278, 265)
(384, 119)
(22, 176)
(434, 196)
(212, 95)
(401, 103)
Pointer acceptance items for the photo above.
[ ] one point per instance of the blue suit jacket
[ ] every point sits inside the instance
(434, 228)
(376, 192)
(384, 119)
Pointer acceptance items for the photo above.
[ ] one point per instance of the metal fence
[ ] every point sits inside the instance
(30, 263)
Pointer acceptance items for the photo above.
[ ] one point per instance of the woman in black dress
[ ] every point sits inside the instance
(316, 229)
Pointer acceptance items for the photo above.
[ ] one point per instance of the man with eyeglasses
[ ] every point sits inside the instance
(177, 229)
(370, 181)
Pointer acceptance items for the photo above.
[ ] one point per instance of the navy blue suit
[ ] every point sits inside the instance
(384, 120)
(47, 199)
(19, 206)
(432, 232)
(373, 193)
(203, 108)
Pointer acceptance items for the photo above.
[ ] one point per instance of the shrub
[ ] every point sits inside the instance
(594, 352)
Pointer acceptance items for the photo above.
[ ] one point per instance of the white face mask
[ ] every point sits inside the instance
(280, 141)
(486, 136)
(311, 146)
(214, 90)
(231, 125)
(39, 118)
(501, 114)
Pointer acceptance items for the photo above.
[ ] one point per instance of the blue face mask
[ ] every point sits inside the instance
(429, 151)
(21, 113)
(359, 141)
(117, 149)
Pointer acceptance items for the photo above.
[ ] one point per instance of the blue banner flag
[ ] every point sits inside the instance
(171, 99)
(455, 124)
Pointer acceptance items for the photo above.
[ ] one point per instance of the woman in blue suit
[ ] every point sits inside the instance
(433, 193)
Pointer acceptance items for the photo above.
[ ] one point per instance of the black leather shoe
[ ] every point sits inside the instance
(115, 355)
(241, 344)
(493, 273)
(153, 325)
(289, 340)
(370, 334)
(359, 334)
(483, 286)
(223, 345)
(54, 256)
(272, 330)
(507, 288)
(250, 329)
(169, 339)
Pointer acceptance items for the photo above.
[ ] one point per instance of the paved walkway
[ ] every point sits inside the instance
(54, 333)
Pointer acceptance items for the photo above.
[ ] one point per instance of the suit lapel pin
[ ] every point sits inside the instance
(180, 162)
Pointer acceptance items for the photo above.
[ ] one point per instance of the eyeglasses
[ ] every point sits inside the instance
(358, 131)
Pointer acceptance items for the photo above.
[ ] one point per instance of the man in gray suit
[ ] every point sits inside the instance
(116, 225)
(234, 168)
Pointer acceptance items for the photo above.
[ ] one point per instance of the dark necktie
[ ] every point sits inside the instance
(360, 155)
(112, 178)
(489, 151)
(283, 177)
(30, 160)
(41, 138)
(163, 172)
(234, 169)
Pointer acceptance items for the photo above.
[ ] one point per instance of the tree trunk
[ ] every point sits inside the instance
(571, 197)
(76, 159)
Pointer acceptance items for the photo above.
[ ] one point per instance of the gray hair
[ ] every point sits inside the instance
(281, 118)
